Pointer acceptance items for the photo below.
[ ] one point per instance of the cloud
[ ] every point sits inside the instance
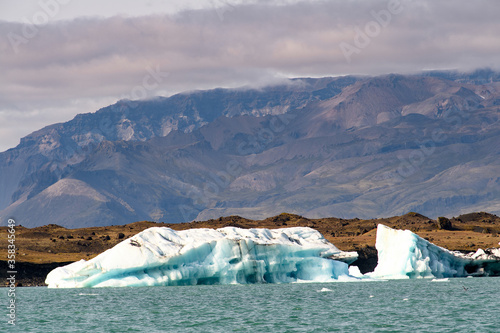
(69, 66)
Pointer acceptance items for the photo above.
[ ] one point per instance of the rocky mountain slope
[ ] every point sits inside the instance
(347, 147)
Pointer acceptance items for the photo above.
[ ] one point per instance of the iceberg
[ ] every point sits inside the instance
(162, 256)
(403, 255)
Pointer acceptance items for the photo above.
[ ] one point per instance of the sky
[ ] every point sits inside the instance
(59, 58)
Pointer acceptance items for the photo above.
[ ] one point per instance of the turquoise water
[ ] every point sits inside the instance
(386, 306)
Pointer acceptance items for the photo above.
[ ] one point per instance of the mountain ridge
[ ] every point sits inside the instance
(348, 146)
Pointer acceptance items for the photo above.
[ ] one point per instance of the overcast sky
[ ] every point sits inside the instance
(59, 58)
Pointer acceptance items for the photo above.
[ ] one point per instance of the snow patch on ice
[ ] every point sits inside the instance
(354, 271)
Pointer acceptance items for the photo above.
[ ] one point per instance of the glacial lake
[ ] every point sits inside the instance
(424, 305)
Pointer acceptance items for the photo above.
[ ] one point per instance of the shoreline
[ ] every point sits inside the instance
(31, 274)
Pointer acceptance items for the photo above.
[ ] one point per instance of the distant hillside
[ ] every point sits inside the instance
(347, 147)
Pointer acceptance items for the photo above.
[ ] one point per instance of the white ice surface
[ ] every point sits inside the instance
(402, 255)
(162, 256)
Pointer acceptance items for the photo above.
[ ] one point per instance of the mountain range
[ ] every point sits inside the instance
(348, 146)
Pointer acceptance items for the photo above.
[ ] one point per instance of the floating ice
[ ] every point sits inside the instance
(403, 255)
(162, 256)
(441, 280)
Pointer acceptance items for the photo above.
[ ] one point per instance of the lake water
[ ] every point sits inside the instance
(456, 305)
